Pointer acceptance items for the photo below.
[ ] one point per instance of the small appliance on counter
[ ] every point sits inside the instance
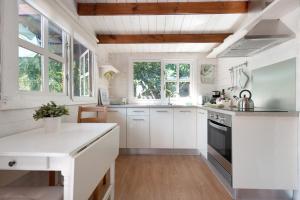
(245, 103)
(215, 96)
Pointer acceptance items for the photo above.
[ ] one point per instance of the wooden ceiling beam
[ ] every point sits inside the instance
(162, 38)
(165, 8)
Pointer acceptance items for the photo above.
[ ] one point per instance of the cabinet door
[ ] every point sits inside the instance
(138, 131)
(161, 128)
(118, 115)
(202, 131)
(185, 131)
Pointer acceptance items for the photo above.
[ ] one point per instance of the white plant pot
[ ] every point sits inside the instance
(52, 124)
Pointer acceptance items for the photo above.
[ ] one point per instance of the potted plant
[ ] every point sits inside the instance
(51, 114)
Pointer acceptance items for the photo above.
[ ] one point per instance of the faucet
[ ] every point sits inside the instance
(169, 101)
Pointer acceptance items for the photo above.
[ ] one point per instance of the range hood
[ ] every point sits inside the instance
(264, 35)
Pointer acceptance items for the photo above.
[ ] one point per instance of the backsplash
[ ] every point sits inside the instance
(276, 55)
(274, 86)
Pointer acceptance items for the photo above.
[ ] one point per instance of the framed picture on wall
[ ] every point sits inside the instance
(207, 73)
(103, 97)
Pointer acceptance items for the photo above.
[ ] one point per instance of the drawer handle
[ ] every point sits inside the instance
(138, 111)
(138, 119)
(185, 111)
(112, 111)
(162, 111)
(12, 163)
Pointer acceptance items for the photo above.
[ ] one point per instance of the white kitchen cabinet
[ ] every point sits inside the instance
(118, 115)
(265, 151)
(202, 131)
(161, 128)
(138, 131)
(185, 128)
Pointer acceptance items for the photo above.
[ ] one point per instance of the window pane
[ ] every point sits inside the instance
(81, 70)
(56, 74)
(55, 39)
(184, 89)
(170, 89)
(29, 24)
(30, 70)
(86, 82)
(146, 80)
(170, 70)
(184, 71)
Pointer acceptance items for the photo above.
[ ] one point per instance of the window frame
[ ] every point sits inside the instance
(46, 54)
(91, 72)
(163, 98)
(177, 62)
(130, 82)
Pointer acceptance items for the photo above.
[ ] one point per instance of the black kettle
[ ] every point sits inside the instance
(245, 103)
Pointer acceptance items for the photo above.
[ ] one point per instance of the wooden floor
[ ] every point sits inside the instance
(166, 178)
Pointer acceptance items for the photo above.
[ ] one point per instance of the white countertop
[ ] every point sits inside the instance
(69, 140)
(221, 110)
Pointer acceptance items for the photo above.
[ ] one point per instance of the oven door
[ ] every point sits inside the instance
(219, 139)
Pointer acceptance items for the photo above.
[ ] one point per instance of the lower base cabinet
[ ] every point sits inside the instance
(138, 131)
(202, 131)
(161, 128)
(185, 128)
(118, 115)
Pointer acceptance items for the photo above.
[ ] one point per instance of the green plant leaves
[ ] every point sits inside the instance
(50, 110)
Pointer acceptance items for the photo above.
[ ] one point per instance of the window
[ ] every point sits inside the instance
(147, 80)
(30, 70)
(42, 52)
(30, 24)
(177, 79)
(82, 70)
(150, 81)
(56, 76)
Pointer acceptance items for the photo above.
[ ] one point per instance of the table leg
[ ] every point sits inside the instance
(112, 180)
(68, 186)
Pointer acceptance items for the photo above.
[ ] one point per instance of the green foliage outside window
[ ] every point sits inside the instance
(30, 72)
(55, 76)
(147, 80)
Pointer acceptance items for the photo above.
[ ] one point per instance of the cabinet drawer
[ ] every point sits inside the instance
(23, 163)
(185, 110)
(116, 110)
(154, 111)
(137, 111)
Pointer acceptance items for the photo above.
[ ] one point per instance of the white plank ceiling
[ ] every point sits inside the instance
(160, 24)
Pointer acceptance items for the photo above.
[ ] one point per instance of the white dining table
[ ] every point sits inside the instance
(82, 152)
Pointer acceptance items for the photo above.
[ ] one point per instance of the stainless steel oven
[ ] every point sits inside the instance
(220, 144)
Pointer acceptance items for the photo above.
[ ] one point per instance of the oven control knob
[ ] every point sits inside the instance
(12, 163)
(222, 121)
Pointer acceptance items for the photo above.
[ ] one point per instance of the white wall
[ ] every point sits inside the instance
(119, 86)
(274, 55)
(16, 112)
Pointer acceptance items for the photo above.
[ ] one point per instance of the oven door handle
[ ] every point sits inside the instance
(217, 126)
